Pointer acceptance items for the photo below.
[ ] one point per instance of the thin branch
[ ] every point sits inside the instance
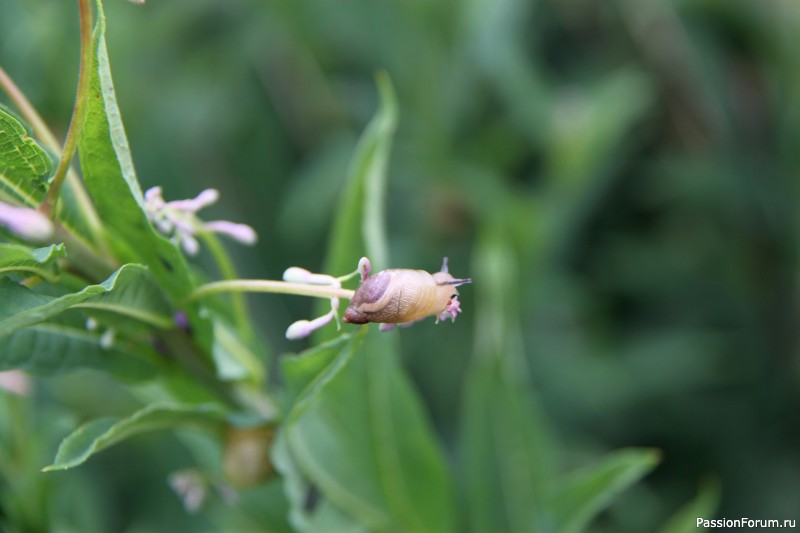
(79, 110)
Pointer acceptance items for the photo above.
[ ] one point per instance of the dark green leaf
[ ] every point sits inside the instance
(24, 165)
(703, 506)
(128, 292)
(42, 262)
(98, 435)
(590, 491)
(49, 349)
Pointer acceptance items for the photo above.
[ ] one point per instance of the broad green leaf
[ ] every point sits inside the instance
(111, 179)
(506, 447)
(42, 262)
(591, 490)
(99, 434)
(132, 294)
(128, 292)
(298, 371)
(324, 517)
(24, 165)
(50, 349)
(360, 435)
(703, 506)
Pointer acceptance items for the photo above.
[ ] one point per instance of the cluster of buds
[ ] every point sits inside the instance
(178, 219)
(25, 222)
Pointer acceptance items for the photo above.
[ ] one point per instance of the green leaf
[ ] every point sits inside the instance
(360, 435)
(300, 370)
(24, 165)
(324, 517)
(132, 294)
(703, 506)
(503, 440)
(99, 434)
(359, 227)
(506, 445)
(42, 262)
(111, 180)
(128, 292)
(233, 358)
(50, 349)
(591, 490)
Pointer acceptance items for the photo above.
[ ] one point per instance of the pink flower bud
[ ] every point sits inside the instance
(303, 328)
(240, 232)
(27, 223)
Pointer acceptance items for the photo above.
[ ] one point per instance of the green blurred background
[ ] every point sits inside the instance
(641, 159)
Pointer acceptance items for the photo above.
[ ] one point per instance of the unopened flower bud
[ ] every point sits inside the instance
(27, 223)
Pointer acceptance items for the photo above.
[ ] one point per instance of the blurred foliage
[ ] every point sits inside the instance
(636, 161)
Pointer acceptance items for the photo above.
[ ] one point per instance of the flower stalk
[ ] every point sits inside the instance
(269, 286)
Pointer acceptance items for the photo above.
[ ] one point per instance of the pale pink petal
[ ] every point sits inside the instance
(303, 328)
(16, 382)
(240, 232)
(204, 199)
(27, 223)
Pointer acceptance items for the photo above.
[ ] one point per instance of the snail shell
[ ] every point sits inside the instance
(396, 296)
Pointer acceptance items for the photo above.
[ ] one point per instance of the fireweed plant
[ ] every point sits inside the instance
(95, 274)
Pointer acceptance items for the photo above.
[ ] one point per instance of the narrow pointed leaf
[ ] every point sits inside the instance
(24, 165)
(99, 434)
(111, 179)
(704, 505)
(359, 227)
(505, 443)
(590, 491)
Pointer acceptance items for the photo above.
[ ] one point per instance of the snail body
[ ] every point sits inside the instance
(398, 296)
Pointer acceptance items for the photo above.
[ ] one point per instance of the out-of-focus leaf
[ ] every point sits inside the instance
(111, 179)
(42, 262)
(300, 370)
(589, 127)
(360, 435)
(590, 491)
(703, 506)
(128, 292)
(24, 165)
(99, 434)
(324, 517)
(359, 226)
(505, 444)
(49, 349)
(233, 358)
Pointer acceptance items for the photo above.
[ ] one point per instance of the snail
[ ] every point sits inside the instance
(401, 296)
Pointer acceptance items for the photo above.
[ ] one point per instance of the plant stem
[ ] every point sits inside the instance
(27, 111)
(43, 133)
(228, 272)
(271, 286)
(78, 111)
